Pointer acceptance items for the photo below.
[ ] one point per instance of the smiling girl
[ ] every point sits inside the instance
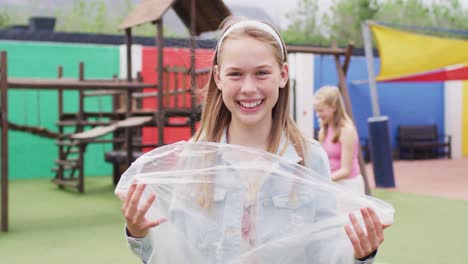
(246, 103)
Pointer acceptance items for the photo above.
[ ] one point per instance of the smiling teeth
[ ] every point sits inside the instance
(250, 104)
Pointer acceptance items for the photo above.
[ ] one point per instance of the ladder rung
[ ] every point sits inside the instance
(66, 143)
(68, 163)
(83, 123)
(202, 71)
(146, 145)
(144, 95)
(71, 183)
(176, 69)
(178, 123)
(115, 140)
(56, 169)
(74, 116)
(100, 93)
(155, 94)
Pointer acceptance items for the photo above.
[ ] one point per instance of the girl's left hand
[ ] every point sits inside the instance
(364, 243)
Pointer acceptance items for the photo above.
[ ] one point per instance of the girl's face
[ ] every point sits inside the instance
(249, 78)
(324, 111)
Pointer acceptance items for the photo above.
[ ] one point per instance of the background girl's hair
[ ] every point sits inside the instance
(331, 96)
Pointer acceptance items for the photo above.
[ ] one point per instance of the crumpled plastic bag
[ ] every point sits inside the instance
(232, 204)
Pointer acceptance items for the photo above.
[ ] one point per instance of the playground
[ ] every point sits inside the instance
(74, 116)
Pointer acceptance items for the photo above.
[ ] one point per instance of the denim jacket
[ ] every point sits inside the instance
(315, 158)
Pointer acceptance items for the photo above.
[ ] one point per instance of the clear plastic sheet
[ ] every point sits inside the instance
(231, 204)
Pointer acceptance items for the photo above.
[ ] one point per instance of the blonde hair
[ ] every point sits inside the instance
(215, 117)
(331, 96)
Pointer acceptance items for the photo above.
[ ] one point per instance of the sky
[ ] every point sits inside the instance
(277, 9)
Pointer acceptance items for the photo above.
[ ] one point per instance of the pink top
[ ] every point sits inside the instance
(334, 154)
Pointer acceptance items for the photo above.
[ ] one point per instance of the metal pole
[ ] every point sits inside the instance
(4, 141)
(379, 132)
(366, 34)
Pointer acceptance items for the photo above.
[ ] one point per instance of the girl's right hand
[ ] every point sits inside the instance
(137, 224)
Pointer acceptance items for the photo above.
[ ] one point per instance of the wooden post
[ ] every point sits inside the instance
(176, 88)
(344, 91)
(4, 141)
(60, 171)
(60, 92)
(80, 98)
(80, 129)
(128, 45)
(347, 61)
(193, 33)
(161, 114)
(128, 130)
(167, 90)
(184, 91)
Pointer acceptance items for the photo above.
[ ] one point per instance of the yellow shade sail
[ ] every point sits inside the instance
(403, 54)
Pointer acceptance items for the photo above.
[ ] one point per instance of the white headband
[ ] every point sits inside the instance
(258, 25)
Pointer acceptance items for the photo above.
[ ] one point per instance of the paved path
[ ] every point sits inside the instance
(438, 177)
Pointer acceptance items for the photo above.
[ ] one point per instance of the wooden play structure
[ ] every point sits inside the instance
(128, 117)
(199, 17)
(68, 144)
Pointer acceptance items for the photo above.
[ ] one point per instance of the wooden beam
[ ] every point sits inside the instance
(316, 50)
(61, 153)
(344, 92)
(73, 84)
(193, 33)
(4, 141)
(347, 61)
(128, 45)
(160, 63)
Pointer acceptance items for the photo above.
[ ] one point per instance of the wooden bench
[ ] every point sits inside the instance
(422, 141)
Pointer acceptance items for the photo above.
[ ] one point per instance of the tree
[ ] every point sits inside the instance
(86, 16)
(4, 18)
(344, 21)
(438, 14)
(305, 25)
(409, 12)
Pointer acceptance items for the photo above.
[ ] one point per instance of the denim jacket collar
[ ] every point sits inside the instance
(289, 154)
